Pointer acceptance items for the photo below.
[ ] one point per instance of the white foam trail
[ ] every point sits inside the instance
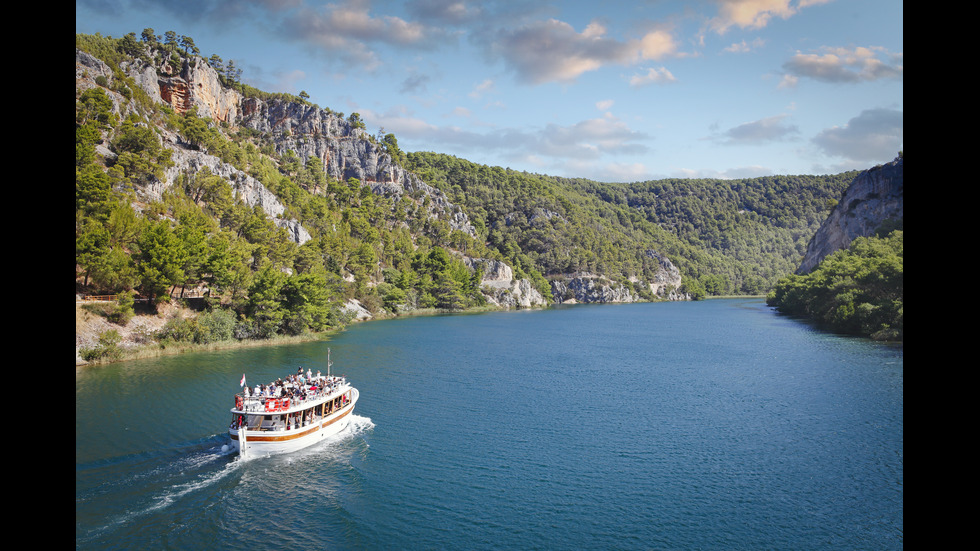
(358, 425)
(171, 495)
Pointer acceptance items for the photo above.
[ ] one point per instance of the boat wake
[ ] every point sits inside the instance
(359, 425)
(144, 484)
(147, 484)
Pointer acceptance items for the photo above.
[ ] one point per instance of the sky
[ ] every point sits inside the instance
(612, 91)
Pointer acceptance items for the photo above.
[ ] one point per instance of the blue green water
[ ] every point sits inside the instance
(707, 425)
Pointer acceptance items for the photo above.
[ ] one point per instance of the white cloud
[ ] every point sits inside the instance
(753, 171)
(657, 44)
(765, 130)
(744, 47)
(414, 83)
(875, 135)
(349, 31)
(654, 75)
(788, 81)
(590, 139)
(552, 51)
(756, 14)
(621, 172)
(845, 65)
(480, 89)
(453, 12)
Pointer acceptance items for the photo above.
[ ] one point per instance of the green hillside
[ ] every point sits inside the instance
(726, 236)
(729, 236)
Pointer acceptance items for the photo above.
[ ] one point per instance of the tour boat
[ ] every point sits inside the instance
(287, 415)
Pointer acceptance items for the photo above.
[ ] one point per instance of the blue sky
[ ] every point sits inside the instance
(611, 91)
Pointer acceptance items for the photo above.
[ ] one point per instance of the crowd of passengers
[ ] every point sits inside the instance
(295, 387)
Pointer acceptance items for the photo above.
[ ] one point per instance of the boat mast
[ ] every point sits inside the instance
(329, 363)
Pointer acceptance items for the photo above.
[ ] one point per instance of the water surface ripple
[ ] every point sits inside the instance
(708, 425)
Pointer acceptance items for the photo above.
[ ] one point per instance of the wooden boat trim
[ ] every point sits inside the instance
(259, 435)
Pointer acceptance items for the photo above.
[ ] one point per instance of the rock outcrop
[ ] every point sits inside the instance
(344, 150)
(874, 198)
(308, 131)
(197, 86)
(501, 289)
(588, 288)
(666, 282)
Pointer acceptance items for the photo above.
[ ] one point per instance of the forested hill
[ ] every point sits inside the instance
(727, 236)
(283, 212)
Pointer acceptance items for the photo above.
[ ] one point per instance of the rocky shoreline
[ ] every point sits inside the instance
(137, 335)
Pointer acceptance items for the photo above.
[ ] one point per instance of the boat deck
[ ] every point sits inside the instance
(292, 397)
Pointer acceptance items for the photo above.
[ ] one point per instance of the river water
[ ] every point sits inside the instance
(707, 425)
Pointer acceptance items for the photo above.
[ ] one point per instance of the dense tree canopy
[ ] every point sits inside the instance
(732, 236)
(858, 291)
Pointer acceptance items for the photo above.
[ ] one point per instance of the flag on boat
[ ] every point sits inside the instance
(243, 380)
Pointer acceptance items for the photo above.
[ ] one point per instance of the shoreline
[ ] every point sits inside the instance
(132, 351)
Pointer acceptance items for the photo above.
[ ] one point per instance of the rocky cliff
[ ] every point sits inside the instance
(308, 131)
(198, 88)
(874, 198)
(344, 150)
(592, 288)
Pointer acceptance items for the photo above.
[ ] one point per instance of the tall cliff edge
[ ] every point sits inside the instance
(874, 198)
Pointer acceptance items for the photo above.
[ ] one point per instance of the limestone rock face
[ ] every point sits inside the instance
(667, 279)
(496, 274)
(526, 296)
(355, 310)
(590, 288)
(344, 152)
(212, 100)
(308, 131)
(197, 86)
(500, 287)
(873, 198)
(520, 294)
(87, 69)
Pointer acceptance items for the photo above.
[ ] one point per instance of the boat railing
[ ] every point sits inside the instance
(269, 404)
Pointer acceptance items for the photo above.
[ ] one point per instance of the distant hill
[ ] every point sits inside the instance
(734, 236)
(296, 218)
